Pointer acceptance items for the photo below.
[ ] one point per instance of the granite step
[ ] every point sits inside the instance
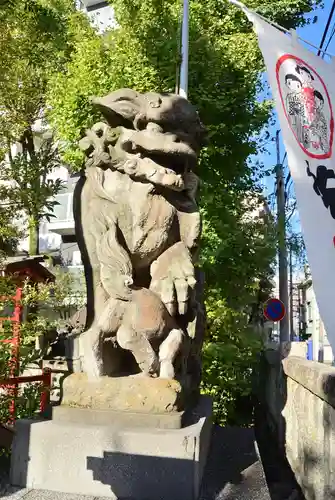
(234, 471)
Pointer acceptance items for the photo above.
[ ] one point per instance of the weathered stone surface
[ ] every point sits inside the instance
(137, 464)
(300, 398)
(136, 394)
(53, 495)
(138, 226)
(310, 441)
(316, 377)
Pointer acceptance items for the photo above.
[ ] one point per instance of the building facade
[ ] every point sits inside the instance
(311, 324)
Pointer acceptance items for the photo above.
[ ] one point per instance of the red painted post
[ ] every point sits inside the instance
(14, 380)
(16, 329)
(46, 389)
(14, 363)
(15, 357)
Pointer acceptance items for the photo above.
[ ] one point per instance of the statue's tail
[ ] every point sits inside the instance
(115, 266)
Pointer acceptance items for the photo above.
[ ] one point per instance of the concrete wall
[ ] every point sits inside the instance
(298, 349)
(299, 398)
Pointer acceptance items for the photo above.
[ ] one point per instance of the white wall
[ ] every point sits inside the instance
(315, 327)
(102, 18)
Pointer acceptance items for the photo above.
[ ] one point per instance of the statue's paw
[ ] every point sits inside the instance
(150, 365)
(166, 370)
(173, 181)
(173, 278)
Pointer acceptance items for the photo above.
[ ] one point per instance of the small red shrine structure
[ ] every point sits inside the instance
(30, 267)
(21, 269)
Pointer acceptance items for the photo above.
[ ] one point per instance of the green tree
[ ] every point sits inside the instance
(28, 187)
(10, 233)
(36, 40)
(225, 68)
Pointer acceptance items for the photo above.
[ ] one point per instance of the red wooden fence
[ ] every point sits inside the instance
(13, 381)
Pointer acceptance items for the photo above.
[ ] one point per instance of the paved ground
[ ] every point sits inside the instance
(233, 472)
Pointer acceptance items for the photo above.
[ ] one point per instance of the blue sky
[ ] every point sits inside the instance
(312, 33)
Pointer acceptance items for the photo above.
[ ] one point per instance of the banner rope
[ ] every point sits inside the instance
(289, 32)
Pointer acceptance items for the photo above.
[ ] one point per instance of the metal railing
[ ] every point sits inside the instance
(13, 381)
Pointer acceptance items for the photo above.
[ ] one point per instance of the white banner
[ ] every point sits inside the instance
(303, 87)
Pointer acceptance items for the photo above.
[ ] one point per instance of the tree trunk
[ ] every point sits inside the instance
(27, 142)
(28, 147)
(9, 148)
(34, 226)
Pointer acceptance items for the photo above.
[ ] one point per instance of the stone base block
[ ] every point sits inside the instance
(113, 462)
(173, 420)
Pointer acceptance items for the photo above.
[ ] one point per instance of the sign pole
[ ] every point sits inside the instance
(282, 249)
(183, 87)
(291, 294)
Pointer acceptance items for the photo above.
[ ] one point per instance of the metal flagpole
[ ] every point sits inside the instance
(183, 86)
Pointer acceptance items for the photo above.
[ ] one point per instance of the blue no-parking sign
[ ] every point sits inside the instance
(274, 310)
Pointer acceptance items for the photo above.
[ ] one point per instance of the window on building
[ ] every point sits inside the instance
(63, 211)
(309, 312)
(76, 258)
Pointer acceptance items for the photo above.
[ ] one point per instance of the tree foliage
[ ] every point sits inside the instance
(36, 40)
(142, 52)
(27, 187)
(230, 355)
(10, 233)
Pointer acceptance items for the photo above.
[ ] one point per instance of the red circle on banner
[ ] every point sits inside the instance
(300, 62)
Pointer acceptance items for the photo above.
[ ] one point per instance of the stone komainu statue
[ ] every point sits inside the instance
(139, 227)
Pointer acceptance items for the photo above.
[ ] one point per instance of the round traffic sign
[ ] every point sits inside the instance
(274, 310)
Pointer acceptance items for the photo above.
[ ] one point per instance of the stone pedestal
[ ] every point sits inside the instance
(133, 393)
(120, 461)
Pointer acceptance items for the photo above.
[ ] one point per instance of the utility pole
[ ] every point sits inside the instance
(183, 87)
(326, 31)
(291, 295)
(282, 250)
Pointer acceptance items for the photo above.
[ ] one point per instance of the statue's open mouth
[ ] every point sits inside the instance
(163, 149)
(176, 163)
